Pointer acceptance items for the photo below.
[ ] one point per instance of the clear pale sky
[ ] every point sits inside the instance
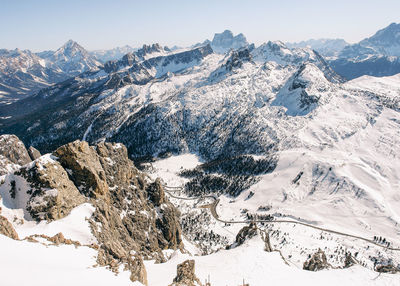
(47, 24)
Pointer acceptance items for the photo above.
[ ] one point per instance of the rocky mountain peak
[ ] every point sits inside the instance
(326, 47)
(88, 173)
(124, 221)
(222, 42)
(12, 153)
(71, 48)
(151, 50)
(112, 54)
(71, 58)
(185, 275)
(388, 36)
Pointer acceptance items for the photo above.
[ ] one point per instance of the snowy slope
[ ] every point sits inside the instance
(26, 263)
(112, 54)
(327, 47)
(251, 264)
(336, 147)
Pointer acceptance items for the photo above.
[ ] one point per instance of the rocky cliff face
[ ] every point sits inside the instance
(316, 262)
(132, 221)
(6, 227)
(378, 55)
(223, 42)
(185, 275)
(33, 153)
(51, 195)
(83, 164)
(12, 153)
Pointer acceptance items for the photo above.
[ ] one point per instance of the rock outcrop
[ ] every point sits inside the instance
(12, 153)
(52, 195)
(185, 275)
(134, 216)
(349, 260)
(132, 221)
(7, 229)
(138, 216)
(389, 268)
(316, 262)
(33, 153)
(265, 237)
(156, 193)
(84, 168)
(56, 239)
(245, 233)
(138, 271)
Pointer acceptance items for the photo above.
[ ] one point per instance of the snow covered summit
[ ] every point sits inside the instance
(222, 42)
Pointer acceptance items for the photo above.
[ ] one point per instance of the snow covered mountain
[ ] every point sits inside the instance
(112, 54)
(386, 41)
(23, 73)
(378, 55)
(269, 155)
(326, 47)
(71, 59)
(225, 41)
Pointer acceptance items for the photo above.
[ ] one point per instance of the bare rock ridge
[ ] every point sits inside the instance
(85, 169)
(12, 152)
(7, 229)
(316, 262)
(132, 221)
(34, 153)
(185, 275)
(246, 233)
(52, 195)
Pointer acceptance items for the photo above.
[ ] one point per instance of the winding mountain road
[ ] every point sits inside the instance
(214, 213)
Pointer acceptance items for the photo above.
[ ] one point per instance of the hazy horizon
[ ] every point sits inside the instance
(47, 25)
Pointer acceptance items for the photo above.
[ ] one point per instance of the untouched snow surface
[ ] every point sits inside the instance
(26, 263)
(259, 268)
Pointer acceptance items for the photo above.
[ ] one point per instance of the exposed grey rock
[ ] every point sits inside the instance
(349, 260)
(129, 222)
(138, 270)
(52, 194)
(378, 55)
(389, 268)
(316, 262)
(7, 229)
(148, 49)
(12, 152)
(246, 233)
(132, 219)
(223, 42)
(86, 170)
(33, 153)
(156, 193)
(24, 73)
(71, 58)
(185, 275)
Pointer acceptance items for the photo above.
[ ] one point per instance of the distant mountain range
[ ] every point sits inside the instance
(378, 55)
(326, 47)
(269, 137)
(24, 73)
(112, 54)
(225, 41)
